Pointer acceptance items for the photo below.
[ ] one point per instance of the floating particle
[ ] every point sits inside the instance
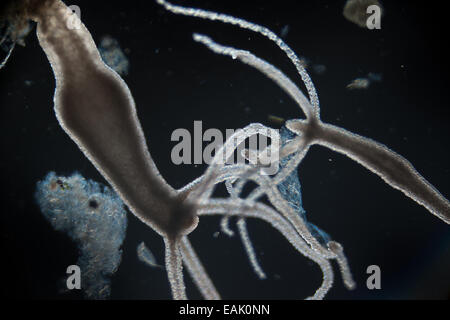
(377, 77)
(290, 189)
(284, 31)
(94, 217)
(304, 62)
(308, 64)
(276, 120)
(319, 69)
(113, 55)
(356, 11)
(359, 83)
(145, 255)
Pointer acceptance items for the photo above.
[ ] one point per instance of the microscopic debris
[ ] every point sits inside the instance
(375, 76)
(94, 217)
(319, 69)
(284, 31)
(145, 255)
(276, 119)
(359, 83)
(113, 55)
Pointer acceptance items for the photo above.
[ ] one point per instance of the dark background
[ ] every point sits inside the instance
(175, 81)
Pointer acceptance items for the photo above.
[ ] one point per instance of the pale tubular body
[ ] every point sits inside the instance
(96, 109)
(390, 166)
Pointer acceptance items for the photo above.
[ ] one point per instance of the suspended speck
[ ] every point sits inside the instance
(113, 55)
(284, 31)
(359, 83)
(375, 76)
(145, 255)
(304, 62)
(276, 120)
(319, 69)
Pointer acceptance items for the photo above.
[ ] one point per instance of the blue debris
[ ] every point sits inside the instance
(113, 55)
(290, 189)
(94, 217)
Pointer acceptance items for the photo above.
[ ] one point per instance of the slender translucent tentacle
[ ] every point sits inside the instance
(3, 38)
(245, 238)
(174, 269)
(263, 66)
(225, 221)
(277, 200)
(242, 228)
(197, 271)
(292, 164)
(265, 213)
(225, 226)
(224, 153)
(343, 264)
(3, 63)
(209, 15)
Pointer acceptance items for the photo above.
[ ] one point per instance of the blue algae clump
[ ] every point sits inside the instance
(290, 189)
(113, 55)
(94, 217)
